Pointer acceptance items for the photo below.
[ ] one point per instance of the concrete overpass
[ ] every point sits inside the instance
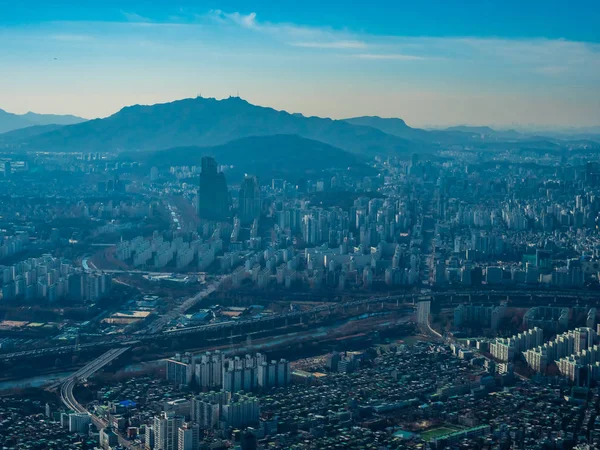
(68, 385)
(91, 368)
(447, 298)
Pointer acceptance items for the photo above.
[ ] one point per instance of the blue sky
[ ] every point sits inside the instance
(429, 62)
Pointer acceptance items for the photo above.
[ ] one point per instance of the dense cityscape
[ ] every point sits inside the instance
(177, 307)
(208, 272)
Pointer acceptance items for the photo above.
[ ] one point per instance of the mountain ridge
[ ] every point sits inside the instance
(208, 122)
(10, 121)
(390, 125)
(273, 156)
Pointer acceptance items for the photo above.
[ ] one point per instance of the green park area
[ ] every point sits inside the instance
(437, 432)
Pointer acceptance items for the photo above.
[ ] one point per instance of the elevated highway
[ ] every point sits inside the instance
(91, 368)
(446, 298)
(68, 385)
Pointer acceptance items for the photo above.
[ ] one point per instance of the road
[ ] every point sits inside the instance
(162, 321)
(155, 330)
(68, 385)
(431, 331)
(127, 340)
(93, 367)
(331, 308)
(89, 266)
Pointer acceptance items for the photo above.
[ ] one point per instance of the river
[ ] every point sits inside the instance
(36, 381)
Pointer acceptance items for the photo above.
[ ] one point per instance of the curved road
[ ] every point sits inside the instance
(155, 329)
(69, 400)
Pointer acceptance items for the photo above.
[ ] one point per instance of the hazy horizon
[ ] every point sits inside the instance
(517, 126)
(430, 65)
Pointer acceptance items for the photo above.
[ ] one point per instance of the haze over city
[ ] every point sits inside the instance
(430, 63)
(299, 225)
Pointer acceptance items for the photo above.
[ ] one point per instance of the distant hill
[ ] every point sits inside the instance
(487, 132)
(463, 134)
(469, 129)
(285, 156)
(52, 119)
(208, 122)
(22, 135)
(397, 127)
(10, 121)
(393, 126)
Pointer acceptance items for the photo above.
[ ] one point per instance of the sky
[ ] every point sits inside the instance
(432, 63)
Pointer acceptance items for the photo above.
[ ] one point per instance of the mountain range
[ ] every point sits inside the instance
(10, 121)
(209, 122)
(452, 135)
(392, 126)
(277, 156)
(206, 122)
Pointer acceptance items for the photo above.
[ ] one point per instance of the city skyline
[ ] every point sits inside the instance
(273, 233)
(431, 65)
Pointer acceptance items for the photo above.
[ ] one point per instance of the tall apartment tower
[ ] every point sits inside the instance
(249, 200)
(166, 431)
(213, 198)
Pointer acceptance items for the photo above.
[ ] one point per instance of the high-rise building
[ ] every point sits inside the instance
(108, 438)
(79, 422)
(213, 198)
(180, 370)
(206, 413)
(249, 200)
(209, 370)
(149, 438)
(206, 408)
(241, 374)
(189, 437)
(236, 380)
(273, 374)
(166, 431)
(241, 411)
(283, 372)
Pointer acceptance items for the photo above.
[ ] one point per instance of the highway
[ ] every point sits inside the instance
(91, 368)
(68, 385)
(429, 329)
(89, 266)
(162, 321)
(455, 296)
(448, 298)
(330, 308)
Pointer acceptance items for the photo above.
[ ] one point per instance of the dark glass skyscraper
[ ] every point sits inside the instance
(213, 200)
(249, 200)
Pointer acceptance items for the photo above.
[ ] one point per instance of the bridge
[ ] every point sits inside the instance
(291, 315)
(449, 298)
(68, 385)
(82, 374)
(328, 308)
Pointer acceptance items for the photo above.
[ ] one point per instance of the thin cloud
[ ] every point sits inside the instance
(294, 35)
(390, 56)
(543, 57)
(134, 17)
(339, 45)
(236, 18)
(246, 21)
(72, 37)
